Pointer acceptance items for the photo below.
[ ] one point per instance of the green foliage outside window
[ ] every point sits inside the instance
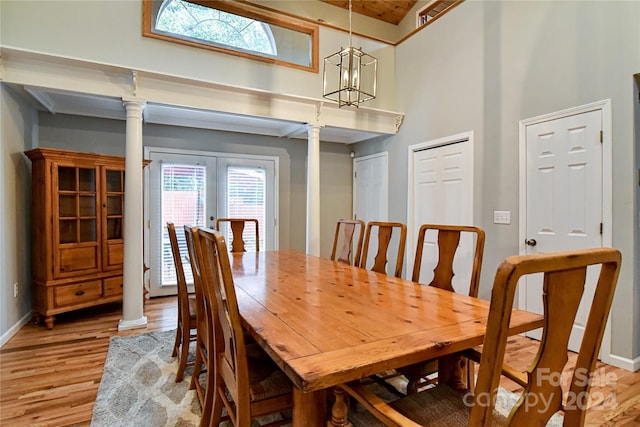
(215, 26)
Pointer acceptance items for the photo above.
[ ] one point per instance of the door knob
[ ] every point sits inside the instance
(531, 242)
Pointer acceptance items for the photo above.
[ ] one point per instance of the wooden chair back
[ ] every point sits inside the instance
(185, 307)
(183, 292)
(448, 238)
(193, 248)
(385, 230)
(448, 241)
(229, 344)
(349, 229)
(237, 225)
(564, 278)
(563, 288)
(202, 364)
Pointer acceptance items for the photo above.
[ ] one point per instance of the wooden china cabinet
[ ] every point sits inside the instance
(76, 230)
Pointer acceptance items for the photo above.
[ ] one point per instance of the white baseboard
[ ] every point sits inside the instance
(622, 362)
(15, 328)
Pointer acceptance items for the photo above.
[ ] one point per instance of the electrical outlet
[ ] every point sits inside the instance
(15, 290)
(502, 217)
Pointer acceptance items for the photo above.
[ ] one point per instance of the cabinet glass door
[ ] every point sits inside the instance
(113, 218)
(76, 220)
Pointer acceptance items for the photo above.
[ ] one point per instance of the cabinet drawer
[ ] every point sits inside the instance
(78, 293)
(113, 286)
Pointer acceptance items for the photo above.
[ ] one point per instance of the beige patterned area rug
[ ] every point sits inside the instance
(138, 389)
(138, 385)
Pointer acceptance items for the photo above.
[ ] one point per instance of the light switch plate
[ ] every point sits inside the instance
(502, 217)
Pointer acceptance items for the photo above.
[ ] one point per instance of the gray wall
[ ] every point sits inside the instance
(108, 137)
(489, 64)
(17, 123)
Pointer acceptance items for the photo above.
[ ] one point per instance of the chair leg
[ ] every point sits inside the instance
(176, 343)
(197, 365)
(212, 406)
(184, 354)
(412, 385)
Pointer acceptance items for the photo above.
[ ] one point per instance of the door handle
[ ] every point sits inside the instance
(531, 242)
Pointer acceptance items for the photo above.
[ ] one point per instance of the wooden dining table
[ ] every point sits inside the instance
(326, 323)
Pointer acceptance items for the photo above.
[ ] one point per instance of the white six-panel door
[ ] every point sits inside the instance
(564, 198)
(441, 192)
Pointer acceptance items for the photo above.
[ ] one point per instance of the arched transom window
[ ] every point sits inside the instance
(215, 26)
(233, 28)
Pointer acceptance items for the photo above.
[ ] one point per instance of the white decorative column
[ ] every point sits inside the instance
(313, 190)
(132, 299)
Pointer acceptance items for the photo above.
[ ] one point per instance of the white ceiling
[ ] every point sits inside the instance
(65, 102)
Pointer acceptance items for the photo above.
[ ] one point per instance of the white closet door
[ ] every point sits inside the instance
(442, 193)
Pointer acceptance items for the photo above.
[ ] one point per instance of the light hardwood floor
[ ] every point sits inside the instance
(51, 378)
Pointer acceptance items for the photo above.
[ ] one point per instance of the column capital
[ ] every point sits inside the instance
(132, 103)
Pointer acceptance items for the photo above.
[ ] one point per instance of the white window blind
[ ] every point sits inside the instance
(183, 201)
(246, 188)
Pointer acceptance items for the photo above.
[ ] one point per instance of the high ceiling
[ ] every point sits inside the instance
(391, 11)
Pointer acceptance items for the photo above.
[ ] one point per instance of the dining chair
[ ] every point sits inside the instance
(564, 277)
(349, 228)
(201, 365)
(384, 230)
(187, 327)
(447, 240)
(247, 382)
(237, 225)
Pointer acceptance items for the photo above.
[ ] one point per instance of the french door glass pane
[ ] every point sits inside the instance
(183, 201)
(246, 199)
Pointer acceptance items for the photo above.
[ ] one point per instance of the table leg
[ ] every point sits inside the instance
(339, 410)
(309, 409)
(451, 369)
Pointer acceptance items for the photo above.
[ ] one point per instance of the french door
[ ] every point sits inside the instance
(196, 189)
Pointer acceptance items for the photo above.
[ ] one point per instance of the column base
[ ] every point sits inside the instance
(124, 325)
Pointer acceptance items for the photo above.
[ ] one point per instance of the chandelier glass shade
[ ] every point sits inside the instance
(350, 75)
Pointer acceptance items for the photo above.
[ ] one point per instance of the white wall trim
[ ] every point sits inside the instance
(632, 365)
(15, 328)
(607, 193)
(113, 82)
(412, 149)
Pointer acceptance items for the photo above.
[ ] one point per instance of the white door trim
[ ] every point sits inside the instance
(412, 149)
(607, 189)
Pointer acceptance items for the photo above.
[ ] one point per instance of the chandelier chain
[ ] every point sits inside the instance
(350, 37)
